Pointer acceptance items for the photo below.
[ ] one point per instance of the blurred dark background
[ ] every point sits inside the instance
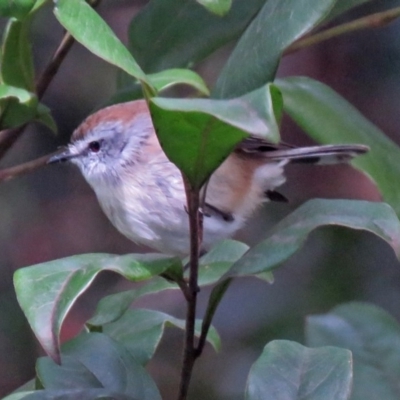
(52, 213)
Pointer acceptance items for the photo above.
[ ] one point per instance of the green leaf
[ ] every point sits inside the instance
(16, 62)
(218, 7)
(373, 336)
(94, 360)
(177, 76)
(254, 61)
(179, 33)
(19, 395)
(89, 29)
(17, 106)
(216, 262)
(342, 6)
(140, 331)
(46, 292)
(198, 134)
(44, 116)
(289, 371)
(290, 234)
(19, 9)
(112, 307)
(328, 118)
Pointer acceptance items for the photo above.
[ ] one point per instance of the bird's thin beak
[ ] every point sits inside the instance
(64, 156)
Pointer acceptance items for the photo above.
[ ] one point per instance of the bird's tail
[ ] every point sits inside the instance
(325, 154)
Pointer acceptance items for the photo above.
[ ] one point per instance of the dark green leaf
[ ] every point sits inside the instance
(112, 307)
(46, 292)
(328, 118)
(16, 8)
(179, 33)
(96, 361)
(141, 330)
(198, 134)
(16, 63)
(255, 59)
(289, 371)
(373, 336)
(88, 28)
(218, 7)
(289, 235)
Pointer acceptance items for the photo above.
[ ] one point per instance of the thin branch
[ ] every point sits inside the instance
(213, 302)
(370, 21)
(195, 225)
(9, 173)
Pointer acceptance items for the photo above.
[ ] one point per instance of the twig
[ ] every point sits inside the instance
(213, 302)
(370, 21)
(195, 225)
(9, 173)
(9, 136)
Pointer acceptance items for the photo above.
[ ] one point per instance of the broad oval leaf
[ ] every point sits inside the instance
(16, 65)
(218, 7)
(17, 106)
(179, 33)
(289, 235)
(255, 59)
(140, 331)
(46, 292)
(218, 260)
(19, 9)
(289, 371)
(94, 360)
(198, 134)
(373, 336)
(178, 76)
(112, 307)
(328, 118)
(88, 28)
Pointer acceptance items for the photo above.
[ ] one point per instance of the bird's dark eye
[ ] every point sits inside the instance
(94, 146)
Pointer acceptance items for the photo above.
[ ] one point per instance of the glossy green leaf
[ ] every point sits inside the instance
(254, 61)
(289, 371)
(140, 331)
(218, 7)
(88, 28)
(46, 292)
(19, 9)
(112, 307)
(16, 67)
(373, 336)
(178, 76)
(290, 234)
(96, 361)
(179, 33)
(328, 118)
(198, 134)
(17, 106)
(342, 6)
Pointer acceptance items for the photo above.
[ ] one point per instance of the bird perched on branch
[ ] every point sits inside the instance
(142, 192)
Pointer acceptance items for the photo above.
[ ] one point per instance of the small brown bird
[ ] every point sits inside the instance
(142, 193)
